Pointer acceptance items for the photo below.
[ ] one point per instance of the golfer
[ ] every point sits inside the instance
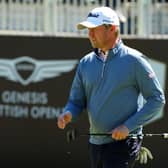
(118, 88)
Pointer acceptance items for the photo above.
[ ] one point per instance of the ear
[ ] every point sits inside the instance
(113, 27)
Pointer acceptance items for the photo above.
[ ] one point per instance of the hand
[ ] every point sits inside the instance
(120, 133)
(143, 155)
(64, 119)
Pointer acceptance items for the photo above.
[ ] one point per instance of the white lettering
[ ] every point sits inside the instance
(24, 97)
(44, 112)
(35, 112)
(13, 111)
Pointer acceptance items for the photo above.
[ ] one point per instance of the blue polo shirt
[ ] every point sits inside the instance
(110, 92)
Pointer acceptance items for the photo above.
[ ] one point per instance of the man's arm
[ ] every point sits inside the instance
(149, 86)
(76, 102)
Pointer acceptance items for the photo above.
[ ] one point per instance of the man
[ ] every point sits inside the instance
(108, 84)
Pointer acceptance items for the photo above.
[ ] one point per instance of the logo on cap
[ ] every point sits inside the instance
(93, 15)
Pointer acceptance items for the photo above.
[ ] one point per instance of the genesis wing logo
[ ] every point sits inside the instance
(27, 70)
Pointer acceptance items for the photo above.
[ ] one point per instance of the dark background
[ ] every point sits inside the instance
(38, 142)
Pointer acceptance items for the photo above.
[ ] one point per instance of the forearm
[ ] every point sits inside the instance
(74, 108)
(149, 112)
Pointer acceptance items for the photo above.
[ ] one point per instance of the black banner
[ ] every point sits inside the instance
(36, 74)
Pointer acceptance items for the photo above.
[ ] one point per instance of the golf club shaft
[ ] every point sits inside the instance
(165, 135)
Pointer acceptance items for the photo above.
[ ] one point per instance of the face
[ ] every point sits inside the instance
(100, 36)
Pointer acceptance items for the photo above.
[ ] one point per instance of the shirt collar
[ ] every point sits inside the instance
(115, 50)
(103, 55)
(112, 52)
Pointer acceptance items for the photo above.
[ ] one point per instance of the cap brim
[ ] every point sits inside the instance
(86, 24)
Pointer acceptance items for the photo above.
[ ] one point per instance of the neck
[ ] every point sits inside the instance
(111, 45)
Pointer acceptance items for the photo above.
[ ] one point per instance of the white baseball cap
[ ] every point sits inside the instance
(99, 16)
